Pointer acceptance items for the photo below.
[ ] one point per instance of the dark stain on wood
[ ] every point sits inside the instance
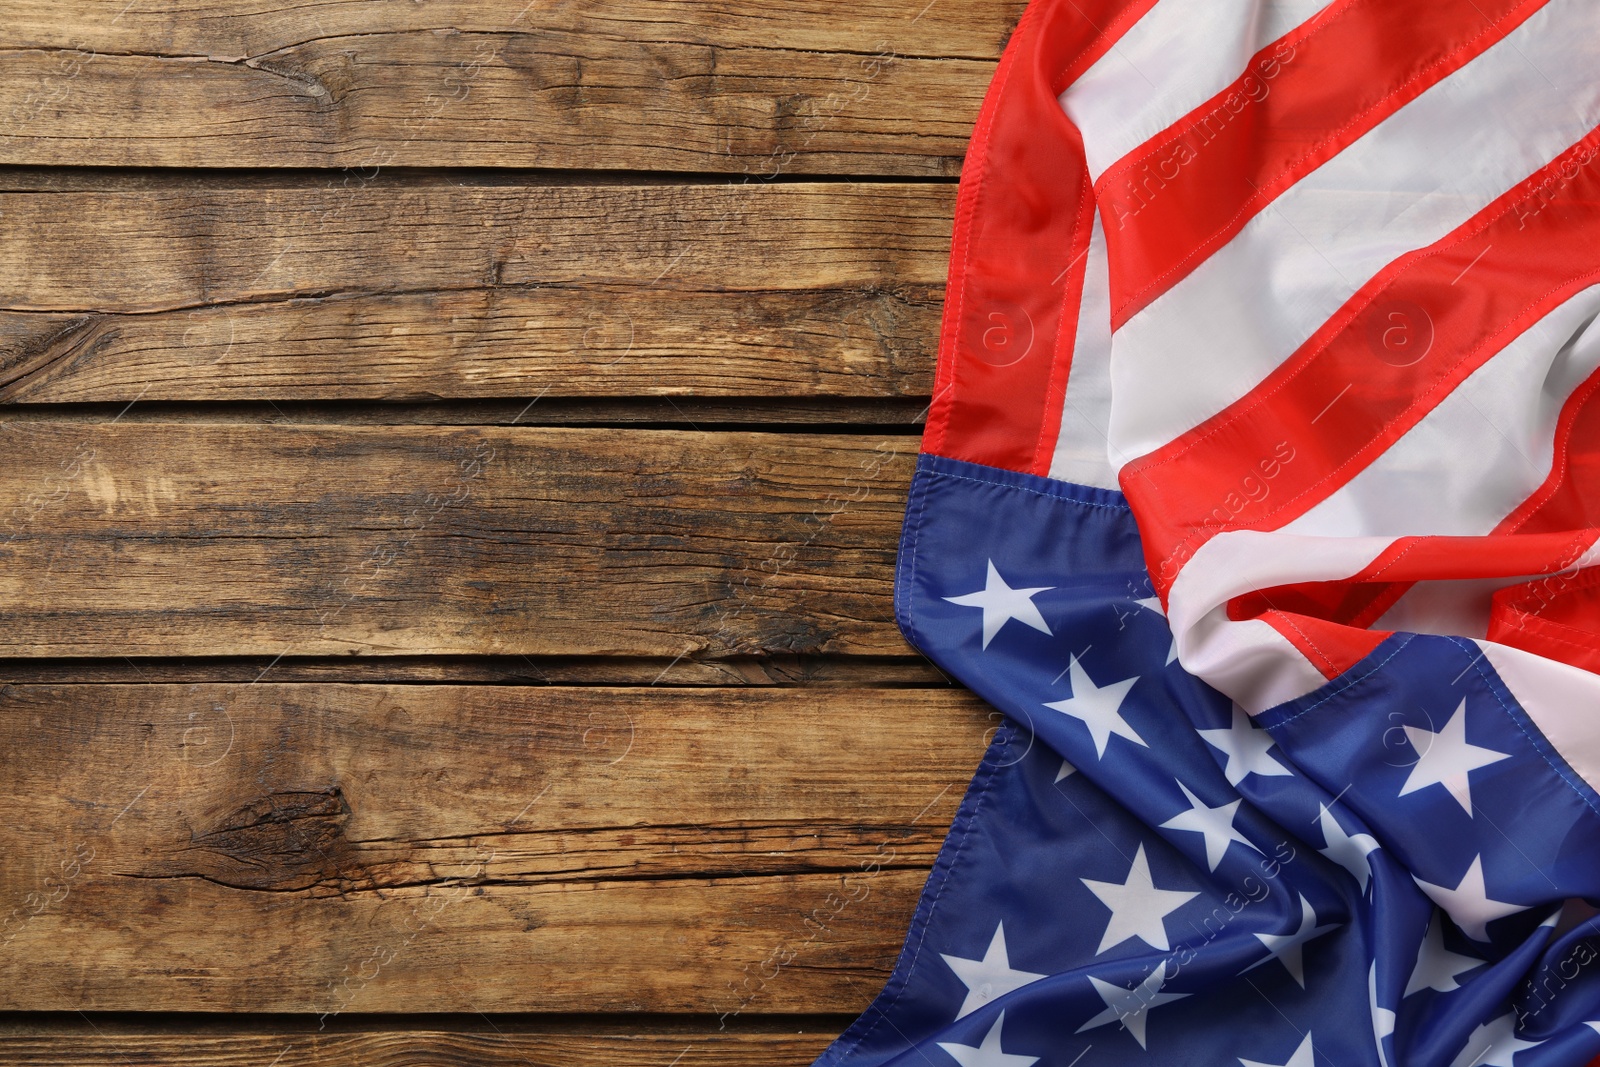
(280, 842)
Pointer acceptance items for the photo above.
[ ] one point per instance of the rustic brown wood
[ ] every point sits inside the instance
(274, 282)
(772, 670)
(303, 848)
(195, 540)
(153, 251)
(748, 86)
(882, 414)
(485, 1042)
(348, 290)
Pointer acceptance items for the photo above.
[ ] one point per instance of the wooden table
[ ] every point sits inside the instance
(453, 460)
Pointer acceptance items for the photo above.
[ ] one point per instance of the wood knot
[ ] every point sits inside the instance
(282, 841)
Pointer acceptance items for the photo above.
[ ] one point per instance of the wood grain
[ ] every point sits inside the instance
(820, 414)
(488, 1043)
(348, 290)
(305, 848)
(197, 540)
(278, 285)
(762, 671)
(743, 86)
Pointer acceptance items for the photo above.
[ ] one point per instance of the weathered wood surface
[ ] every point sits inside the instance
(756, 414)
(748, 86)
(320, 848)
(344, 289)
(278, 284)
(775, 671)
(198, 540)
(481, 1043)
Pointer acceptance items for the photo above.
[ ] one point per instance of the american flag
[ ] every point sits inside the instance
(1261, 492)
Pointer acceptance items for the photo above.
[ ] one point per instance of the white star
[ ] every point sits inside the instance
(1098, 707)
(1216, 824)
(1246, 748)
(1288, 949)
(1001, 604)
(1468, 903)
(1349, 851)
(989, 978)
(1153, 603)
(1128, 1006)
(1303, 1057)
(1493, 1044)
(987, 1054)
(1445, 758)
(1067, 771)
(1382, 1018)
(1437, 966)
(1138, 908)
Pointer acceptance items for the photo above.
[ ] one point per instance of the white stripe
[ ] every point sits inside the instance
(1409, 182)
(1459, 608)
(1504, 414)
(1083, 446)
(1175, 58)
(1250, 661)
(1508, 411)
(1560, 699)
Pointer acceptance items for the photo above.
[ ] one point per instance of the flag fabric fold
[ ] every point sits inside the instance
(1261, 493)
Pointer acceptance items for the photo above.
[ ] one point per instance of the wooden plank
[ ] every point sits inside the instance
(130, 251)
(883, 414)
(763, 671)
(324, 849)
(196, 540)
(748, 86)
(488, 1043)
(351, 290)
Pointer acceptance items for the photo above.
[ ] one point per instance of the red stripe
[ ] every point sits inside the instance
(1017, 258)
(1559, 617)
(1558, 504)
(1554, 617)
(1314, 616)
(1341, 612)
(1302, 100)
(1066, 335)
(1331, 647)
(1339, 647)
(1568, 497)
(1334, 406)
(1416, 559)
